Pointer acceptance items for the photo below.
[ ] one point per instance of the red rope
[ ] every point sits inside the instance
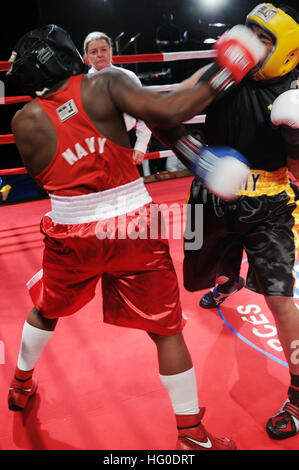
(22, 170)
(7, 139)
(4, 66)
(13, 171)
(131, 59)
(15, 99)
(137, 58)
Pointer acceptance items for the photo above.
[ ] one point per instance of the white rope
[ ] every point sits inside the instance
(196, 119)
(187, 55)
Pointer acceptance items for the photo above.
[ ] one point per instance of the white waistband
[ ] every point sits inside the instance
(99, 206)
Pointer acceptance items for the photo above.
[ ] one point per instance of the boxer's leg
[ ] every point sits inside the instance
(220, 292)
(57, 292)
(37, 332)
(177, 374)
(286, 422)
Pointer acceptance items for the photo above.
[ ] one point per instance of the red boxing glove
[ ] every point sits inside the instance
(237, 52)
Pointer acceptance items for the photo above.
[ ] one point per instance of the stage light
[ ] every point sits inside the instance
(212, 4)
(209, 41)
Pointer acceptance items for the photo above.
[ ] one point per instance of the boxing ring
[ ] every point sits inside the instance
(98, 384)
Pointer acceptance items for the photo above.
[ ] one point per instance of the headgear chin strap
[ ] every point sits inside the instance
(43, 57)
(285, 31)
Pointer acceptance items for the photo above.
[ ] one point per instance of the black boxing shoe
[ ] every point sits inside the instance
(285, 423)
(218, 294)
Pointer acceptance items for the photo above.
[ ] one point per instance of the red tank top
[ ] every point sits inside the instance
(85, 161)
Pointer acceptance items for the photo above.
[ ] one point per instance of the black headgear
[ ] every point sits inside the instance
(44, 57)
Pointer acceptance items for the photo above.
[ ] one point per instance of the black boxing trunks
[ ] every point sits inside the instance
(263, 221)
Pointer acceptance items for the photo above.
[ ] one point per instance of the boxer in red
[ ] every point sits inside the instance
(73, 141)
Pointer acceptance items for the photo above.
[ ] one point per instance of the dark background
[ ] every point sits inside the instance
(80, 17)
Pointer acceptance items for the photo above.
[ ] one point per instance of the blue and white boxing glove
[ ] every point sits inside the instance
(222, 170)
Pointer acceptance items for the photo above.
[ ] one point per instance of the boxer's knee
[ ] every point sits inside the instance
(36, 319)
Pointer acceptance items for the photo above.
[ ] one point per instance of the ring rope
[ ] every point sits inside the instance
(139, 58)
(9, 138)
(149, 156)
(122, 59)
(14, 99)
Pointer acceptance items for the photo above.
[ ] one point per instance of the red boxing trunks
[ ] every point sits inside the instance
(139, 283)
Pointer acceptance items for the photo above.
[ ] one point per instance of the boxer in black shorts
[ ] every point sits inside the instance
(263, 219)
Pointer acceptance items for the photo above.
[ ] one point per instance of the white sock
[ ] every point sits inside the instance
(146, 168)
(32, 345)
(182, 389)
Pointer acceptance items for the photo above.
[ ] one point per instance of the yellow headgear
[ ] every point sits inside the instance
(285, 31)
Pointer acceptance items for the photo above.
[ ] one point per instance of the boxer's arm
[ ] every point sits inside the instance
(165, 110)
(237, 52)
(222, 170)
(285, 116)
(293, 166)
(35, 137)
(193, 79)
